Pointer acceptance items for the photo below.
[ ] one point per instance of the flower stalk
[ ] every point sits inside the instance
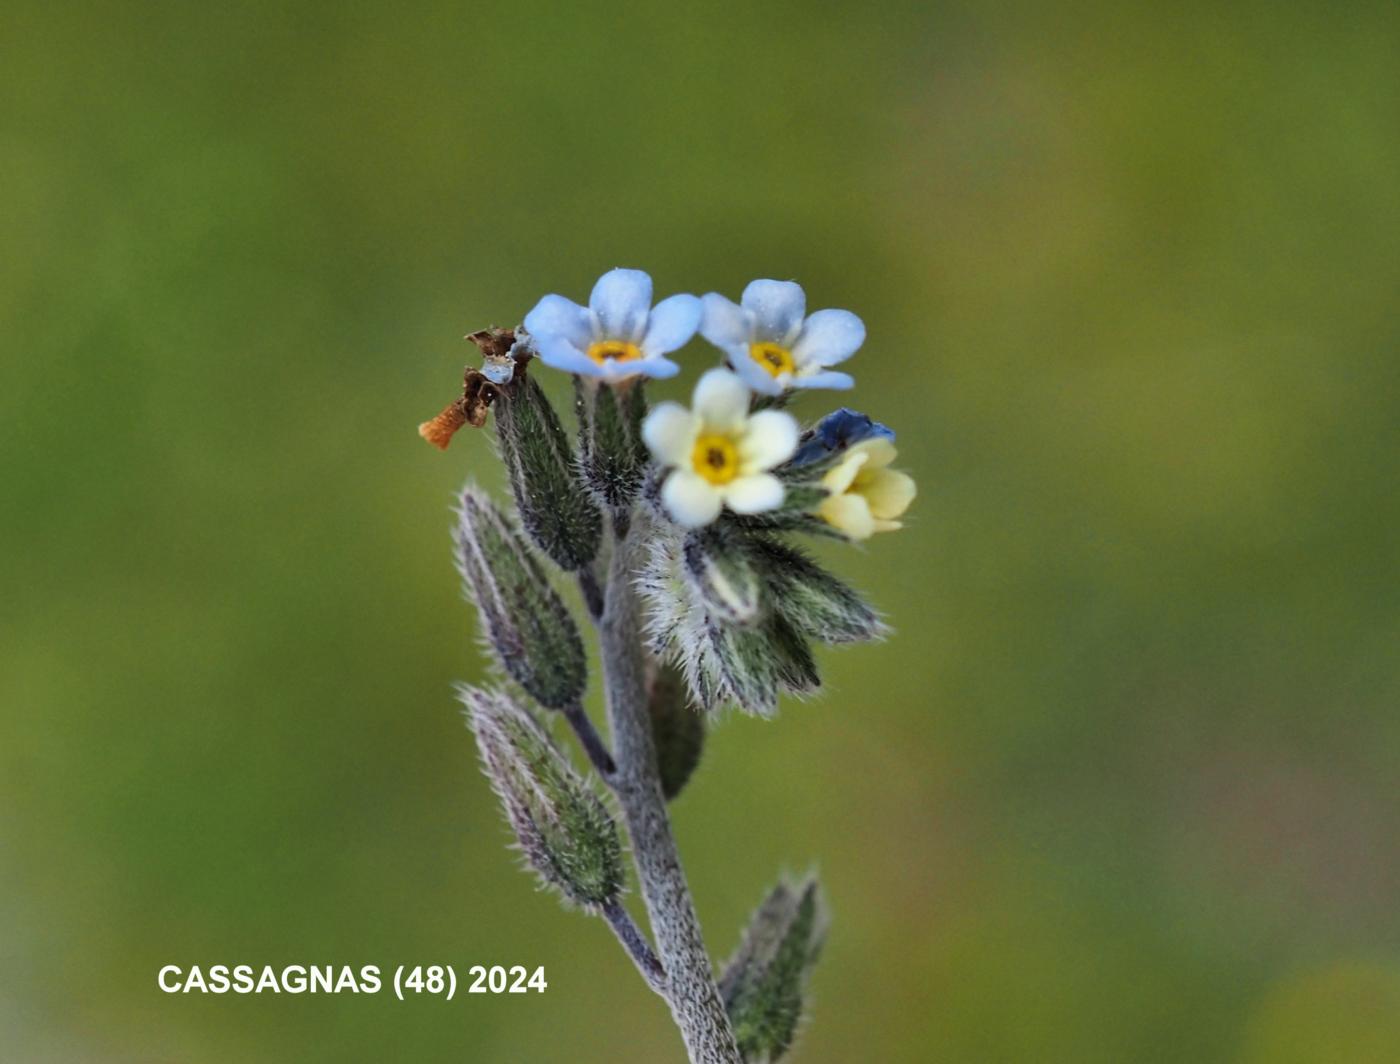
(636, 945)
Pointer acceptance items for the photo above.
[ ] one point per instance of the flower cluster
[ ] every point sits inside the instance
(675, 523)
(734, 448)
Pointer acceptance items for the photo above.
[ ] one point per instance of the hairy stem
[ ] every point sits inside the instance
(591, 742)
(690, 986)
(636, 945)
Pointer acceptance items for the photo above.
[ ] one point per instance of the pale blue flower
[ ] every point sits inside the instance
(619, 334)
(773, 343)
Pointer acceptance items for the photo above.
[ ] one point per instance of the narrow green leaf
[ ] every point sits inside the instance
(677, 728)
(764, 983)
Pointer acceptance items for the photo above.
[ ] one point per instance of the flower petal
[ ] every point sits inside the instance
(753, 494)
(669, 433)
(828, 337)
(671, 324)
(690, 499)
(889, 493)
(558, 353)
(879, 452)
(848, 514)
(842, 475)
(724, 323)
(557, 316)
(755, 376)
(721, 400)
(777, 308)
(621, 299)
(770, 440)
(658, 368)
(826, 379)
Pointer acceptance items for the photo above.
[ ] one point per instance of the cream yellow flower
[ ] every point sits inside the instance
(866, 496)
(720, 454)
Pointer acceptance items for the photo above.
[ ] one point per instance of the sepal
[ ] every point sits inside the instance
(814, 601)
(719, 572)
(555, 507)
(748, 664)
(612, 456)
(563, 829)
(523, 620)
(756, 665)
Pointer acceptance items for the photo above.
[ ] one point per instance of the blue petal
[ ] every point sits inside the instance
(828, 337)
(838, 430)
(656, 367)
(828, 379)
(557, 316)
(621, 299)
(560, 354)
(778, 307)
(671, 324)
(751, 373)
(724, 323)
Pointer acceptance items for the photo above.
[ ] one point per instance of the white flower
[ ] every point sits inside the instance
(865, 495)
(719, 454)
(619, 334)
(773, 346)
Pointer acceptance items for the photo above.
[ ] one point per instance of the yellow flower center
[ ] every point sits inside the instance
(613, 350)
(772, 357)
(716, 459)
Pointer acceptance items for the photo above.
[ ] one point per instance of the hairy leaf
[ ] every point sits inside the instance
(677, 729)
(764, 983)
(564, 831)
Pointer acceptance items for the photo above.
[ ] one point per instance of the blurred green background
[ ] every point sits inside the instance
(1123, 787)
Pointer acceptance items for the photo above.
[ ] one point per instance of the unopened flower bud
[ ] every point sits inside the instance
(718, 568)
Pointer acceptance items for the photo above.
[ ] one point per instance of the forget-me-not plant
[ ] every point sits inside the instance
(675, 522)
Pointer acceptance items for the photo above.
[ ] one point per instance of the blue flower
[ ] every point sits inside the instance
(619, 334)
(836, 432)
(774, 345)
